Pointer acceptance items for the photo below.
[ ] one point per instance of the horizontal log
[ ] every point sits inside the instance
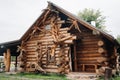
(65, 51)
(89, 58)
(47, 36)
(49, 33)
(31, 53)
(87, 49)
(82, 46)
(50, 40)
(49, 67)
(92, 51)
(89, 43)
(57, 49)
(64, 29)
(45, 59)
(31, 56)
(39, 37)
(28, 62)
(65, 48)
(90, 40)
(91, 37)
(40, 41)
(85, 46)
(30, 45)
(51, 70)
(31, 59)
(34, 51)
(30, 50)
(87, 62)
(56, 55)
(62, 32)
(89, 55)
(44, 62)
(46, 41)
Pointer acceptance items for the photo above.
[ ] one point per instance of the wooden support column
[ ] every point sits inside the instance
(75, 59)
(7, 60)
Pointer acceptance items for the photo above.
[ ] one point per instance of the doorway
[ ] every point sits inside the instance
(73, 59)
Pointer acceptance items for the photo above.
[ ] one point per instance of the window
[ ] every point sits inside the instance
(47, 27)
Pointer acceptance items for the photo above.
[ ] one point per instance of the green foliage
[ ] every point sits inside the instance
(118, 38)
(93, 15)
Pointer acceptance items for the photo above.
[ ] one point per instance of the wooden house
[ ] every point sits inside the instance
(60, 42)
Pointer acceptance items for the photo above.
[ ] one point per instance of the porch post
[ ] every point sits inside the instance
(75, 59)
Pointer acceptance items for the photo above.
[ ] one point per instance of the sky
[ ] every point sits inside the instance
(16, 16)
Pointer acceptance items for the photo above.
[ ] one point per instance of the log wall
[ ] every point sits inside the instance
(38, 50)
(91, 50)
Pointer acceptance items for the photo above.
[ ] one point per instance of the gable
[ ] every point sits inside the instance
(68, 18)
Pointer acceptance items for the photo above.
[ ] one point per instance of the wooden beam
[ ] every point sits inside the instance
(75, 59)
(8, 60)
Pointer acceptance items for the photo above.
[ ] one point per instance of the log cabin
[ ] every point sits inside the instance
(60, 42)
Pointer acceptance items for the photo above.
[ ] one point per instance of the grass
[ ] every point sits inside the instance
(43, 76)
(32, 76)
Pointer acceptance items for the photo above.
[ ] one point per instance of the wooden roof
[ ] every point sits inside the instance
(12, 45)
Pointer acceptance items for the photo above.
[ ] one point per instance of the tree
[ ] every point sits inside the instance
(90, 15)
(118, 38)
